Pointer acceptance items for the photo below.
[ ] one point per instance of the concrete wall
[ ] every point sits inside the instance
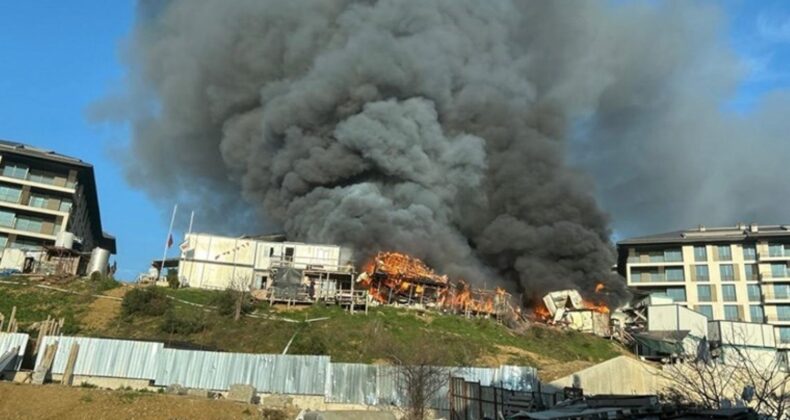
(621, 375)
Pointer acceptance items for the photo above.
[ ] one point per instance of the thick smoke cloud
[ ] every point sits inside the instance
(440, 128)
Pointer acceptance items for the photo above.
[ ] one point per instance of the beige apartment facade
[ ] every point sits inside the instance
(739, 273)
(44, 194)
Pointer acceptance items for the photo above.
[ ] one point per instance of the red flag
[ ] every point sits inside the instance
(169, 241)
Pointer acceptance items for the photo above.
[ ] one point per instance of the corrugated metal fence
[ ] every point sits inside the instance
(269, 373)
(105, 357)
(9, 341)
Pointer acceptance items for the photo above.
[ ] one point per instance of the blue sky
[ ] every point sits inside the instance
(60, 57)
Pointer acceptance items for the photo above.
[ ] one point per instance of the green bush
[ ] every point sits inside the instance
(172, 279)
(225, 302)
(148, 301)
(174, 323)
(101, 282)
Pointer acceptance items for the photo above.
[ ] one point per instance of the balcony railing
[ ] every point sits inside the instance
(39, 179)
(769, 294)
(777, 318)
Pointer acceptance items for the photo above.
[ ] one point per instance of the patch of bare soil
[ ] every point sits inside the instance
(102, 311)
(59, 402)
(548, 369)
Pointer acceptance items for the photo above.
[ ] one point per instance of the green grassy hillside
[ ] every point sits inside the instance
(345, 337)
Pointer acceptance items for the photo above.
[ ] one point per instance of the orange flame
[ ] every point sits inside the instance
(599, 287)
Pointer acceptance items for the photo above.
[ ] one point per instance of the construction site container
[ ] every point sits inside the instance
(100, 259)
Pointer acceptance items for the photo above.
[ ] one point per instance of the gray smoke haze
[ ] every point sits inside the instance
(457, 131)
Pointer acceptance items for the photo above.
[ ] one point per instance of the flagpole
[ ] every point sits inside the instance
(191, 219)
(167, 240)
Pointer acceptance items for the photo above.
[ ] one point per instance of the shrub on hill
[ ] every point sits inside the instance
(175, 323)
(149, 301)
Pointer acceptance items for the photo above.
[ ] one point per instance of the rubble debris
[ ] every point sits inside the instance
(242, 393)
(568, 308)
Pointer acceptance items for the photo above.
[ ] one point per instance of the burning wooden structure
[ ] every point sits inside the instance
(396, 278)
(568, 308)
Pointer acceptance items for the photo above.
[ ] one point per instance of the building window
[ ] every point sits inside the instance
(678, 294)
(754, 292)
(38, 201)
(41, 178)
(784, 335)
(706, 310)
(701, 272)
(725, 253)
(65, 205)
(3, 241)
(6, 218)
(751, 271)
(756, 313)
(673, 255)
(782, 291)
(674, 274)
(779, 270)
(10, 194)
(778, 250)
(728, 292)
(749, 253)
(29, 224)
(783, 312)
(703, 293)
(731, 313)
(15, 170)
(700, 253)
(727, 273)
(26, 245)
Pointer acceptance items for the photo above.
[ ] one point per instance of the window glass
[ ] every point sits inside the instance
(674, 273)
(3, 241)
(673, 255)
(783, 312)
(751, 271)
(41, 178)
(15, 170)
(6, 218)
(10, 194)
(700, 253)
(37, 201)
(781, 291)
(65, 205)
(727, 273)
(749, 252)
(636, 276)
(731, 313)
(754, 292)
(656, 256)
(702, 272)
(27, 245)
(784, 335)
(756, 313)
(724, 253)
(728, 293)
(776, 250)
(778, 270)
(703, 293)
(28, 224)
(706, 310)
(678, 294)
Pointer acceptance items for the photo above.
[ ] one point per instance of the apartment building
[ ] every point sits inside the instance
(737, 273)
(44, 194)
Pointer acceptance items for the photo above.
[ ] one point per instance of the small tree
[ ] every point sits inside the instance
(236, 299)
(149, 301)
(419, 372)
(759, 378)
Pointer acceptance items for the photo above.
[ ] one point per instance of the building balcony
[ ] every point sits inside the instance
(66, 188)
(656, 282)
(771, 278)
(770, 296)
(646, 262)
(777, 320)
(8, 230)
(767, 257)
(32, 209)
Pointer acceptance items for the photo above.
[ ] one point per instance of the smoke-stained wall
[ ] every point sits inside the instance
(438, 128)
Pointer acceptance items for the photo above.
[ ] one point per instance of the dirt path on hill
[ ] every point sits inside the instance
(103, 311)
(60, 402)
